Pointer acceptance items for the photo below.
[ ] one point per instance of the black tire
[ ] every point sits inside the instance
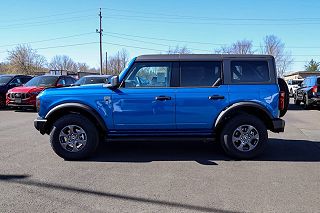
(230, 128)
(91, 135)
(284, 87)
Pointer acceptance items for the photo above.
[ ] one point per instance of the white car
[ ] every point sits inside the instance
(293, 85)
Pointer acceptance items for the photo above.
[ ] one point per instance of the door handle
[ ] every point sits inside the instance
(163, 98)
(216, 97)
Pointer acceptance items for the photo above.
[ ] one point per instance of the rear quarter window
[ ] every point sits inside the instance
(250, 72)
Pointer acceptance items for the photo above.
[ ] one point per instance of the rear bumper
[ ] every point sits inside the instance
(40, 124)
(278, 125)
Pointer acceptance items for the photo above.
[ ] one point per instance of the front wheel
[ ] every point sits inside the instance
(244, 137)
(74, 137)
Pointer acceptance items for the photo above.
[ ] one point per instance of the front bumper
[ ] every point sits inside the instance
(278, 125)
(40, 124)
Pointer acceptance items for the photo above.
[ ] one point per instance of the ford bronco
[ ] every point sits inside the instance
(233, 99)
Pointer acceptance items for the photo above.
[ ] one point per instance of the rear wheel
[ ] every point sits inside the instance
(244, 137)
(74, 137)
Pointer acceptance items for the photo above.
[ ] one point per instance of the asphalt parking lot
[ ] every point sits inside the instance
(160, 176)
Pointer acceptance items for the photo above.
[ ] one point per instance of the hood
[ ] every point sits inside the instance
(26, 89)
(83, 90)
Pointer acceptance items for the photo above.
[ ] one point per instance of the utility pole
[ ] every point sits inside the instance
(100, 32)
(106, 62)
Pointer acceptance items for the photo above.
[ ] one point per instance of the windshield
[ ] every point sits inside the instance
(4, 80)
(42, 81)
(92, 80)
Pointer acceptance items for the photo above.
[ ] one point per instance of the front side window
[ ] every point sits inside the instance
(199, 74)
(250, 72)
(148, 74)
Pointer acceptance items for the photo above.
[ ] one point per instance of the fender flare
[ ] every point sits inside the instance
(80, 106)
(240, 105)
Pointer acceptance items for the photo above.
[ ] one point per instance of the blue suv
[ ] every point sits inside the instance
(234, 99)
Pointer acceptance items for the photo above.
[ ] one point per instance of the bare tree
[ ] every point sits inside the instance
(62, 62)
(82, 67)
(239, 47)
(24, 59)
(179, 50)
(272, 45)
(118, 62)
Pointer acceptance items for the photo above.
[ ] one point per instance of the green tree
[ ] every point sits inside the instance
(312, 66)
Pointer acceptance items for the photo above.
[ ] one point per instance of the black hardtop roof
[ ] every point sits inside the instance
(199, 57)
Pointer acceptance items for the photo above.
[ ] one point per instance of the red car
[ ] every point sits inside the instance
(25, 96)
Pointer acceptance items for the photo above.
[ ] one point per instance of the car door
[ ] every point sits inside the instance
(145, 101)
(201, 95)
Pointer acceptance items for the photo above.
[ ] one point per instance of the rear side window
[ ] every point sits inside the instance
(199, 74)
(250, 72)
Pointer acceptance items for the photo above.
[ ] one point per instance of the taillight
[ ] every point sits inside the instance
(314, 89)
(281, 100)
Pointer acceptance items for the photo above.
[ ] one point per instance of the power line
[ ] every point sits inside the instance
(45, 40)
(162, 15)
(146, 42)
(160, 20)
(24, 25)
(48, 16)
(196, 42)
(138, 47)
(60, 46)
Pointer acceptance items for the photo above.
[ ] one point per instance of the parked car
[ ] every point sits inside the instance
(8, 82)
(93, 79)
(293, 85)
(25, 96)
(234, 99)
(309, 92)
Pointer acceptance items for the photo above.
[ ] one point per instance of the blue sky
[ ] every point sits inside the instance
(146, 27)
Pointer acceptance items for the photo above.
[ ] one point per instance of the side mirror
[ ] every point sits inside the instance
(114, 81)
(59, 85)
